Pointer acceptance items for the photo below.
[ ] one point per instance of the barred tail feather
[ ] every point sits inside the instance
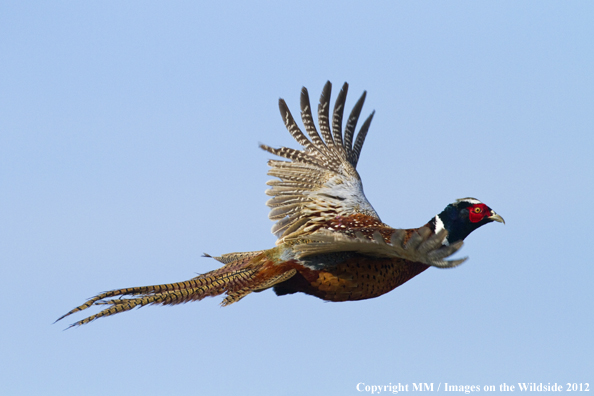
(259, 286)
(241, 274)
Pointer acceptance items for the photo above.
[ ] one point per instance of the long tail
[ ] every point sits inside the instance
(241, 274)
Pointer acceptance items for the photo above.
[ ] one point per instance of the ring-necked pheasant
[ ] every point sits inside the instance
(331, 242)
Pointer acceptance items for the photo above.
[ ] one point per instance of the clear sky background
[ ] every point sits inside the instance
(128, 147)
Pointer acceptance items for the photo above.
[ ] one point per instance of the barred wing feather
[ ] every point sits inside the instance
(320, 181)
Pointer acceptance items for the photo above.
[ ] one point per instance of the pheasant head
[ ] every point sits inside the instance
(462, 217)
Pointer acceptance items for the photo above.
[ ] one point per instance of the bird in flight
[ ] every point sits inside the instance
(331, 242)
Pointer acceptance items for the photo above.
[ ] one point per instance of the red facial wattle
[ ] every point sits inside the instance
(478, 212)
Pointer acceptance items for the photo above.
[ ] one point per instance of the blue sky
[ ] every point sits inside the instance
(128, 147)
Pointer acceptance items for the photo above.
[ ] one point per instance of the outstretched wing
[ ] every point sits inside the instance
(416, 245)
(320, 182)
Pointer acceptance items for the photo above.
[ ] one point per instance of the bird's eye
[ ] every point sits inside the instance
(478, 210)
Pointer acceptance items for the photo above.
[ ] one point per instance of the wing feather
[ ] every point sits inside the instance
(337, 117)
(310, 127)
(324, 117)
(349, 131)
(361, 138)
(292, 127)
(423, 246)
(318, 182)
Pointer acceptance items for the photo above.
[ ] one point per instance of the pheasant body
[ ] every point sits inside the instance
(352, 278)
(331, 242)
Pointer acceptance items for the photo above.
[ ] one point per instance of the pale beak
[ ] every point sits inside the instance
(495, 217)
